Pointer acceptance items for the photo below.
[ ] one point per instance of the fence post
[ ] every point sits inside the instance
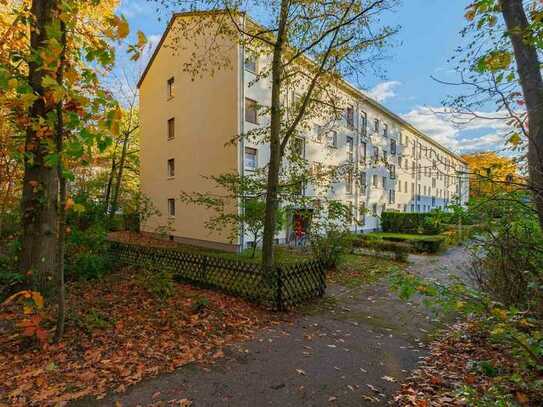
(204, 269)
(279, 289)
(322, 275)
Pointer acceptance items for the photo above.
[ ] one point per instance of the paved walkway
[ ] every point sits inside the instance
(351, 350)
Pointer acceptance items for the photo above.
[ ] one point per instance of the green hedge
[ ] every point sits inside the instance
(415, 243)
(400, 250)
(414, 223)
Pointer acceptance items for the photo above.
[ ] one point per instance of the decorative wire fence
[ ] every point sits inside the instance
(289, 285)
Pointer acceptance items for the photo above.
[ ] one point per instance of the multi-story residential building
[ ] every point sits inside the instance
(186, 124)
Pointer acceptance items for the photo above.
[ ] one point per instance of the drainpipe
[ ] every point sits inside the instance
(242, 132)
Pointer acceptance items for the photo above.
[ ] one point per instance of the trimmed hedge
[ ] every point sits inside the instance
(416, 243)
(400, 250)
(414, 223)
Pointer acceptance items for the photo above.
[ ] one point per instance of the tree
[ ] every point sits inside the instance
(49, 82)
(504, 50)
(490, 173)
(312, 45)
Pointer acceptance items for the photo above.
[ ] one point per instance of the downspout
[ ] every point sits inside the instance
(356, 168)
(241, 159)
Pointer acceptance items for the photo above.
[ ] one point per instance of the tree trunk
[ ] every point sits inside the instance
(528, 68)
(40, 181)
(270, 216)
(59, 140)
(107, 196)
(118, 183)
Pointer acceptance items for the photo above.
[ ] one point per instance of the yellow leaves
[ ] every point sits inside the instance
(12, 83)
(470, 14)
(69, 204)
(515, 139)
(498, 60)
(118, 29)
(500, 313)
(142, 40)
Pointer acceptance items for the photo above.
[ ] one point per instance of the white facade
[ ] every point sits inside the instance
(397, 167)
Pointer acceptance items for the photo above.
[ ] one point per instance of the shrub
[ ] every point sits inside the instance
(86, 253)
(429, 244)
(400, 250)
(159, 283)
(414, 223)
(329, 247)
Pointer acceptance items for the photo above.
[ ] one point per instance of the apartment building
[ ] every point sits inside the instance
(186, 123)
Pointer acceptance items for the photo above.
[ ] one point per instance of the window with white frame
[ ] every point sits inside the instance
(363, 182)
(251, 111)
(363, 123)
(349, 116)
(251, 158)
(376, 125)
(375, 153)
(363, 151)
(171, 128)
(350, 149)
(171, 167)
(374, 209)
(362, 213)
(349, 182)
(170, 84)
(385, 130)
(171, 207)
(331, 138)
(391, 196)
(251, 61)
(392, 169)
(393, 147)
(374, 181)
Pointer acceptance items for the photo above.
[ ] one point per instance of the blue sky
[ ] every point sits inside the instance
(428, 37)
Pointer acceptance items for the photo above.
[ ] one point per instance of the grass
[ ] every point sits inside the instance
(356, 270)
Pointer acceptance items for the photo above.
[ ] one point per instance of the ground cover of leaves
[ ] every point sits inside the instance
(465, 369)
(355, 270)
(116, 335)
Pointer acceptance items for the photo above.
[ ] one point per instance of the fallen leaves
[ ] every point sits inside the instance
(451, 365)
(117, 334)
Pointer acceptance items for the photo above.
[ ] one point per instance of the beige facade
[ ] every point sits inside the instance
(397, 167)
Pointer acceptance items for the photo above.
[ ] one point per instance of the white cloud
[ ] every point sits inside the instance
(384, 90)
(463, 134)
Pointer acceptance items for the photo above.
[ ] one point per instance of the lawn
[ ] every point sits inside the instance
(404, 236)
(283, 255)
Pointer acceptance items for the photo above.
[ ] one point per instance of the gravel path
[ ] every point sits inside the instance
(350, 350)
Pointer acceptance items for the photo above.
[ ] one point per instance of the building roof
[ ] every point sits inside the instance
(348, 85)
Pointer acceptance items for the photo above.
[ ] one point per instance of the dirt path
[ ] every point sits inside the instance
(351, 350)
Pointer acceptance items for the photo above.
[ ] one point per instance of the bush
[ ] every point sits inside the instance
(414, 223)
(86, 253)
(429, 244)
(159, 283)
(400, 250)
(329, 248)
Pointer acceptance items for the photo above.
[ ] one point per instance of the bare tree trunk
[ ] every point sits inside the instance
(528, 67)
(270, 216)
(118, 182)
(107, 196)
(59, 140)
(40, 182)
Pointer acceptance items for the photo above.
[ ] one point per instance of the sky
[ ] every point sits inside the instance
(428, 37)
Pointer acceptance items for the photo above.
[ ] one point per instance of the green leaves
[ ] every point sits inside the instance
(494, 61)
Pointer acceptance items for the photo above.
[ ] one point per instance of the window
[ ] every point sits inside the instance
(171, 128)
(391, 196)
(384, 182)
(251, 113)
(374, 180)
(349, 116)
(374, 209)
(405, 187)
(251, 61)
(251, 161)
(171, 207)
(349, 182)
(171, 87)
(376, 125)
(319, 133)
(298, 147)
(399, 162)
(385, 130)
(392, 170)
(362, 213)
(363, 182)
(363, 151)
(331, 139)
(385, 155)
(363, 123)
(399, 187)
(393, 147)
(350, 149)
(433, 182)
(375, 153)
(171, 167)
